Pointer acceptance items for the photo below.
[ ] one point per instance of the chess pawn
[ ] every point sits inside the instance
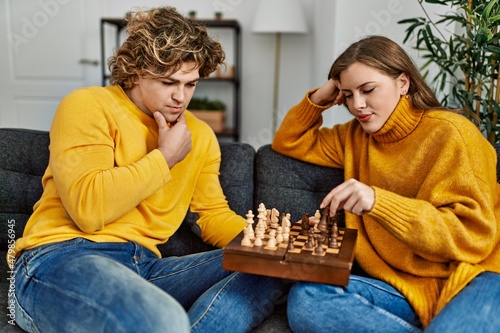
(271, 242)
(257, 241)
(291, 246)
(286, 233)
(246, 239)
(279, 235)
(310, 242)
(259, 231)
(333, 243)
(319, 247)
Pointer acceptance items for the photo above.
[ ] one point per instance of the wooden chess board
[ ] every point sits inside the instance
(331, 266)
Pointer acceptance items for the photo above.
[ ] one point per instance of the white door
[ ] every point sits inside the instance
(47, 49)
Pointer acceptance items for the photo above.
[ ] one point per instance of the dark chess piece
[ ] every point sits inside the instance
(323, 224)
(333, 242)
(304, 224)
(319, 248)
(290, 243)
(333, 233)
(310, 241)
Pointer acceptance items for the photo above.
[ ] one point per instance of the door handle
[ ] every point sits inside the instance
(89, 62)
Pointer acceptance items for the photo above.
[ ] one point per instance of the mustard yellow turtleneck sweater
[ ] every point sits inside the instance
(107, 182)
(435, 222)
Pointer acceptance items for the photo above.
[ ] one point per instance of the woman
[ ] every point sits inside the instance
(420, 187)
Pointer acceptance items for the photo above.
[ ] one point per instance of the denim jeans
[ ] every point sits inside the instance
(368, 305)
(82, 286)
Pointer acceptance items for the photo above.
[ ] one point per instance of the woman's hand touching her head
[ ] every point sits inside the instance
(330, 92)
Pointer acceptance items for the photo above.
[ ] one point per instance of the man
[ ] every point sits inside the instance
(126, 163)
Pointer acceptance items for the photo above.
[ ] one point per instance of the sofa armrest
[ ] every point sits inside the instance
(292, 186)
(25, 157)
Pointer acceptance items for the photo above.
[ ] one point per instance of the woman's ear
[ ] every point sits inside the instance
(403, 81)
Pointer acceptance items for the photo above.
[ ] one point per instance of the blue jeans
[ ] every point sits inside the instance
(82, 286)
(368, 305)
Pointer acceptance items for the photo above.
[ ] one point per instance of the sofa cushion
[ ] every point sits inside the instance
(25, 156)
(236, 178)
(292, 186)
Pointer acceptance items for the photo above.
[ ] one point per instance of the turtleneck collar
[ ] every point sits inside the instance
(403, 120)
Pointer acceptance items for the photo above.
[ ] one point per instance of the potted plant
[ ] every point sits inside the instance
(212, 111)
(463, 44)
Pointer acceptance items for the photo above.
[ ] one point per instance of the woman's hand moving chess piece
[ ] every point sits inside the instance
(352, 196)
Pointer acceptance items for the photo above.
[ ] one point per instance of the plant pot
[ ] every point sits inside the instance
(215, 119)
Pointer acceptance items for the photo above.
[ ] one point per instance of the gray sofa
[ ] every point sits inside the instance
(247, 177)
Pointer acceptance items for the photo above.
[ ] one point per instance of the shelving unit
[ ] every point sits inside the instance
(230, 85)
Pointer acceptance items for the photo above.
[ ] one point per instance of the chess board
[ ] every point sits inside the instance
(329, 265)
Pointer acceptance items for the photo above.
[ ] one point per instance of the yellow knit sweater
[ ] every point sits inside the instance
(107, 182)
(435, 222)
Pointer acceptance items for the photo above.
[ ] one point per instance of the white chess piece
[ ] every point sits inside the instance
(249, 226)
(271, 242)
(246, 239)
(317, 217)
(279, 235)
(274, 218)
(261, 217)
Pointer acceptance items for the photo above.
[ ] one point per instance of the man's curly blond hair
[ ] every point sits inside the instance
(159, 41)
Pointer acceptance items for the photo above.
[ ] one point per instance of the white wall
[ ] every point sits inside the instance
(305, 59)
(340, 23)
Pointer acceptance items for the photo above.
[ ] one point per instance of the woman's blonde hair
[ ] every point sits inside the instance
(159, 41)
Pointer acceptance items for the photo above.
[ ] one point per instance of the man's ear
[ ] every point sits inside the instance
(135, 78)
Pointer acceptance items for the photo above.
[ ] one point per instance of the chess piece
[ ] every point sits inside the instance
(333, 242)
(279, 235)
(319, 241)
(304, 224)
(317, 217)
(323, 225)
(287, 220)
(310, 241)
(257, 241)
(290, 243)
(249, 226)
(262, 215)
(274, 218)
(271, 242)
(246, 239)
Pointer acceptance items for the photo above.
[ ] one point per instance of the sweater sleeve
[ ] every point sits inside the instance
(218, 223)
(301, 136)
(93, 189)
(452, 218)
